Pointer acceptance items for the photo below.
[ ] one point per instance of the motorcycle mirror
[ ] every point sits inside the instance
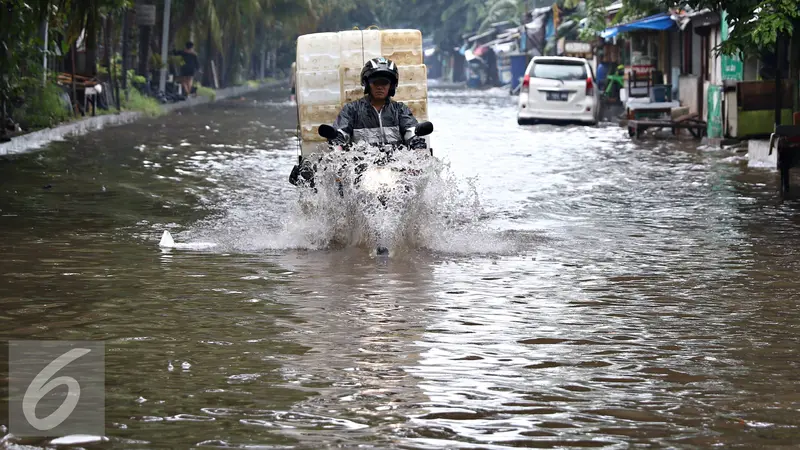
(423, 129)
(327, 131)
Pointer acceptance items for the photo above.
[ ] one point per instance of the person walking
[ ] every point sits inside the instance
(189, 68)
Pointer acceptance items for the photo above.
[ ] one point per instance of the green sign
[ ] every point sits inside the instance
(714, 129)
(731, 65)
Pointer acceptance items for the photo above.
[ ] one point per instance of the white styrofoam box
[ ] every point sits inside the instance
(329, 74)
(401, 40)
(412, 79)
(403, 46)
(318, 114)
(310, 133)
(350, 78)
(406, 92)
(419, 108)
(353, 94)
(318, 51)
(318, 88)
(312, 116)
(417, 74)
(356, 47)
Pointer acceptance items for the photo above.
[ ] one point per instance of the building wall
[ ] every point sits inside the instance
(758, 154)
(675, 62)
(675, 42)
(714, 60)
(687, 89)
(731, 115)
(696, 51)
(751, 67)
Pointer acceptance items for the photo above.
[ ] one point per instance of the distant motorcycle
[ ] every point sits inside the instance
(373, 176)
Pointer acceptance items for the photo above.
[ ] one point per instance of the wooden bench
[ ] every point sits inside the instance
(690, 122)
(86, 85)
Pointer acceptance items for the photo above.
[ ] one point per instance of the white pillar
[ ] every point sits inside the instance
(44, 28)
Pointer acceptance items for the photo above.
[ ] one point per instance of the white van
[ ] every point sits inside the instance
(559, 89)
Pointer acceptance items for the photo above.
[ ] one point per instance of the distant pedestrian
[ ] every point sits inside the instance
(189, 68)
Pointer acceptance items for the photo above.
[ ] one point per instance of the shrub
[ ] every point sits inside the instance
(140, 102)
(206, 92)
(42, 107)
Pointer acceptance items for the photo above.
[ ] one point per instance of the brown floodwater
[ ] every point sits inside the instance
(570, 288)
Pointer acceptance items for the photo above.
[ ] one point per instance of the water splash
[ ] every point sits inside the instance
(429, 208)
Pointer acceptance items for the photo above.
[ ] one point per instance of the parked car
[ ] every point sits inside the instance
(559, 89)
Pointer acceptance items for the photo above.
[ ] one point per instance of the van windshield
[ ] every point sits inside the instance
(559, 71)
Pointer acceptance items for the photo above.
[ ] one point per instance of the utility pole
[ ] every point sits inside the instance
(145, 20)
(779, 55)
(162, 83)
(126, 25)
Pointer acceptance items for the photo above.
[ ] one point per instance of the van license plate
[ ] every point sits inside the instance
(558, 96)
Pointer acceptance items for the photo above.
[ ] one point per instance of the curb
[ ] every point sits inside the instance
(37, 139)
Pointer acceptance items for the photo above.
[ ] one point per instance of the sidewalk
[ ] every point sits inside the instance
(37, 139)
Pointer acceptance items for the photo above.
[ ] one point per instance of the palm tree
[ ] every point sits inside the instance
(505, 10)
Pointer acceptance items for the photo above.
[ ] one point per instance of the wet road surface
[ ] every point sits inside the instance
(593, 292)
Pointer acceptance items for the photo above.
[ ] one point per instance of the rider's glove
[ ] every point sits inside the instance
(340, 141)
(417, 143)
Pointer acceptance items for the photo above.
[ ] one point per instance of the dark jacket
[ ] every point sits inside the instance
(360, 122)
(190, 63)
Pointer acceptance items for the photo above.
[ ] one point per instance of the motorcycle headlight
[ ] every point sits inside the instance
(376, 179)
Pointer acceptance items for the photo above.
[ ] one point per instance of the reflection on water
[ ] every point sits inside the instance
(574, 289)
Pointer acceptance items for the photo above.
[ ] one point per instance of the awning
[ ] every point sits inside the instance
(483, 35)
(661, 21)
(699, 19)
(614, 7)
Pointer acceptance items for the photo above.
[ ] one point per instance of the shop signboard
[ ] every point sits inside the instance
(145, 15)
(732, 68)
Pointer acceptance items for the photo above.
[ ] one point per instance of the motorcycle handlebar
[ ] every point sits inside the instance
(330, 133)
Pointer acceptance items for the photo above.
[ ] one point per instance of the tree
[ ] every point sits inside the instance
(19, 44)
(505, 10)
(753, 24)
(446, 20)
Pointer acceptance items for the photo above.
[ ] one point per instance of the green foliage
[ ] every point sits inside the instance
(19, 44)
(636, 9)
(754, 24)
(502, 10)
(116, 64)
(596, 19)
(140, 102)
(43, 106)
(207, 92)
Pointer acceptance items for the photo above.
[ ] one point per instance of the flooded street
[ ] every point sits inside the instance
(593, 291)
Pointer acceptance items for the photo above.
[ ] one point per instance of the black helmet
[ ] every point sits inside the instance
(380, 67)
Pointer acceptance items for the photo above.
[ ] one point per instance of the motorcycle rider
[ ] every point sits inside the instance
(376, 118)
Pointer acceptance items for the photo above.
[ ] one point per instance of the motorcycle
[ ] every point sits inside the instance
(373, 175)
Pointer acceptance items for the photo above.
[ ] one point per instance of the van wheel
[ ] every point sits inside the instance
(524, 121)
